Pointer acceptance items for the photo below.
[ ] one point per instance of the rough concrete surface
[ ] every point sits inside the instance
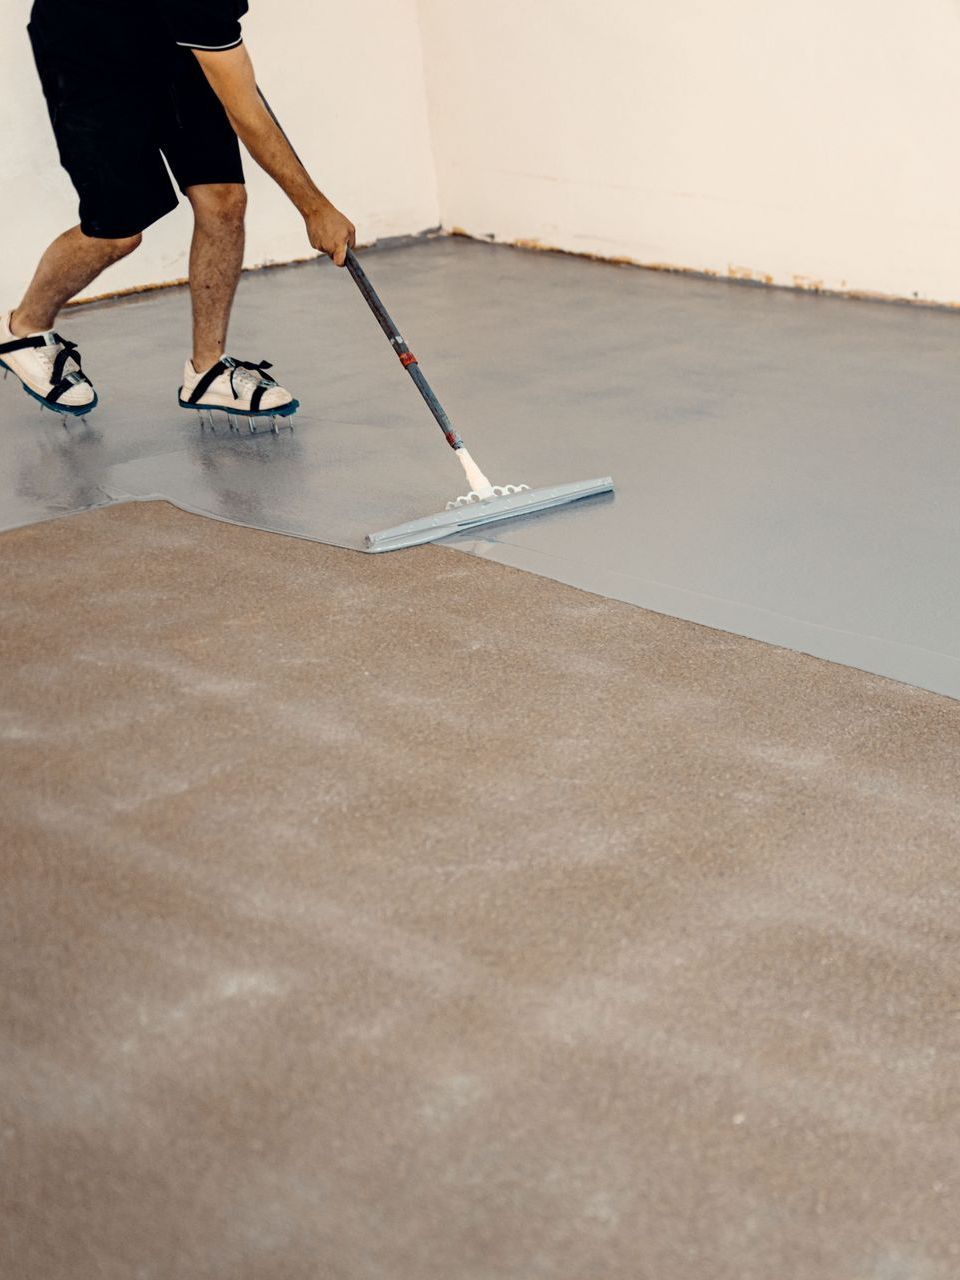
(414, 918)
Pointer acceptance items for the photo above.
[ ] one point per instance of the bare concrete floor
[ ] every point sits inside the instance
(414, 918)
(786, 465)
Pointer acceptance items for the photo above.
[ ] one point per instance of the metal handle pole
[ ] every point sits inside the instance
(407, 358)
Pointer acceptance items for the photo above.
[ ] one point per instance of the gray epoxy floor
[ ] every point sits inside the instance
(786, 465)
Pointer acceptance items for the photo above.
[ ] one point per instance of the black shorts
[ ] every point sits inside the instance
(117, 112)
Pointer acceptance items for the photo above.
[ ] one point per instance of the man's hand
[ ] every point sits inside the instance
(330, 232)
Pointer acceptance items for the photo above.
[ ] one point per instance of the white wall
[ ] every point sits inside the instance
(811, 144)
(361, 128)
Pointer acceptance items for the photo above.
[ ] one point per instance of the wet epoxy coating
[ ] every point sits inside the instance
(786, 465)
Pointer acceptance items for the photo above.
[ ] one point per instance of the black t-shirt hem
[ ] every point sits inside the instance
(210, 48)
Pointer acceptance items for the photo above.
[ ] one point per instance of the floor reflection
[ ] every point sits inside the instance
(242, 473)
(60, 466)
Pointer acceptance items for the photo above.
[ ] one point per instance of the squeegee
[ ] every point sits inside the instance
(485, 503)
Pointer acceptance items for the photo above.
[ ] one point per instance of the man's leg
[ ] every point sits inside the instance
(215, 260)
(67, 267)
(216, 257)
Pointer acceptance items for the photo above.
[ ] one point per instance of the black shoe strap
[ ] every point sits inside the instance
(24, 344)
(232, 364)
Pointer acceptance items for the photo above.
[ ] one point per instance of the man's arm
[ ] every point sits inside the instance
(231, 76)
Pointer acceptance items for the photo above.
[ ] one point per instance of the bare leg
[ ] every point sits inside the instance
(216, 257)
(67, 267)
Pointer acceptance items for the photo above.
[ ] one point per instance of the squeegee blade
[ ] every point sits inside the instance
(490, 511)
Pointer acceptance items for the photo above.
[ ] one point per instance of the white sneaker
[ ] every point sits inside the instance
(48, 366)
(236, 386)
